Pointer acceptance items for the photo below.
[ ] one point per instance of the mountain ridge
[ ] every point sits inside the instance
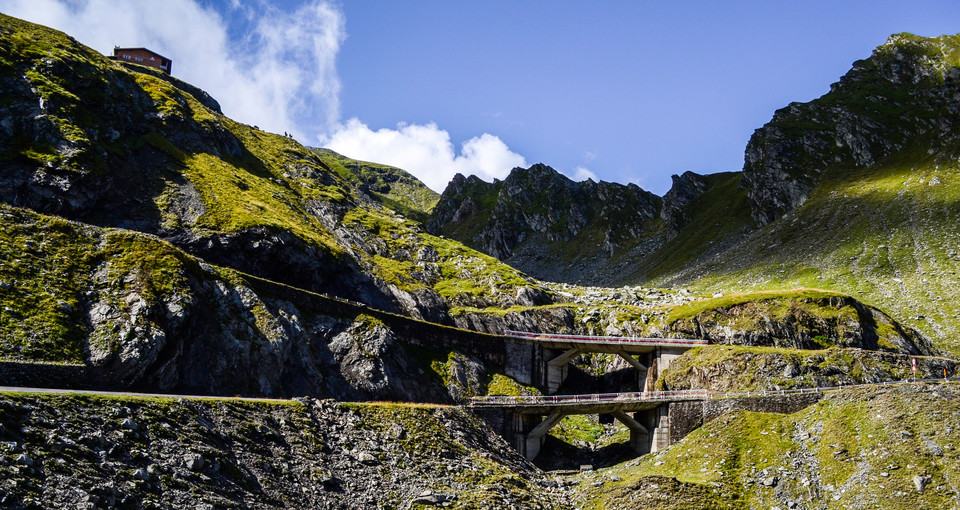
(132, 210)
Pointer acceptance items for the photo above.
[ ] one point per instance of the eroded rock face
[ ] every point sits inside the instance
(219, 338)
(370, 359)
(880, 108)
(804, 323)
(685, 189)
(526, 218)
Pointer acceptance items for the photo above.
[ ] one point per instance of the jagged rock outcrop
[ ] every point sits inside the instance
(903, 97)
(544, 223)
(685, 189)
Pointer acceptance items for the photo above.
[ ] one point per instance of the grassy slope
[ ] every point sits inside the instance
(885, 235)
(720, 214)
(856, 449)
(49, 266)
(392, 187)
(736, 368)
(245, 178)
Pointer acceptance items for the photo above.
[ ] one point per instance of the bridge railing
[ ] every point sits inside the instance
(501, 400)
(607, 340)
(677, 395)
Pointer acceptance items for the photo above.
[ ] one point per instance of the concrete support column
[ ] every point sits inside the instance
(661, 434)
(520, 360)
(529, 431)
(635, 363)
(557, 369)
(639, 435)
(662, 358)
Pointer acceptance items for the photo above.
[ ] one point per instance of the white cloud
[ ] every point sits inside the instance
(581, 174)
(425, 151)
(282, 76)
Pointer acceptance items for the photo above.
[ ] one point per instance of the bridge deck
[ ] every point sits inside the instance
(595, 343)
(599, 403)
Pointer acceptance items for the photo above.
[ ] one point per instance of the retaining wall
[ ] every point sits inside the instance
(47, 375)
(687, 416)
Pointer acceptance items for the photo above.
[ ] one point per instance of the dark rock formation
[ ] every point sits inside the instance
(544, 223)
(685, 189)
(803, 323)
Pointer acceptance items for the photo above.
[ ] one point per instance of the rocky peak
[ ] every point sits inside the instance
(904, 97)
(685, 189)
(538, 212)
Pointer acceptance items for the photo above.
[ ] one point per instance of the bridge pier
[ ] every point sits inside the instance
(530, 431)
(649, 429)
(639, 435)
(660, 361)
(557, 369)
(654, 434)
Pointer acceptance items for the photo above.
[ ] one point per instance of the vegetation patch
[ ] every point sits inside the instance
(852, 447)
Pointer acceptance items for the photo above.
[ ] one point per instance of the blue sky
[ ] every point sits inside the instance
(613, 90)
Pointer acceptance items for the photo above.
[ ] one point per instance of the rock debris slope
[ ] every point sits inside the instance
(137, 453)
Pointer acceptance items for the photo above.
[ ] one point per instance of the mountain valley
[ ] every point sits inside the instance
(148, 243)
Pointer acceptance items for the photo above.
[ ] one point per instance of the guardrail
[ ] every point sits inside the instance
(597, 339)
(496, 400)
(653, 396)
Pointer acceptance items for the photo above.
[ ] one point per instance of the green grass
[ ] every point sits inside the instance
(577, 429)
(878, 234)
(840, 446)
(392, 187)
(500, 384)
(734, 368)
(695, 308)
(721, 213)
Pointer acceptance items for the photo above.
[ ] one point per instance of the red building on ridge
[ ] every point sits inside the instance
(143, 57)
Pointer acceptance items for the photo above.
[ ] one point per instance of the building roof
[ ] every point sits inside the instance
(117, 49)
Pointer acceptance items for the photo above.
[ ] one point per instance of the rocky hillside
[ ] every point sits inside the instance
(854, 192)
(114, 145)
(127, 152)
(136, 453)
(859, 190)
(902, 101)
(546, 225)
(889, 448)
(591, 233)
(148, 316)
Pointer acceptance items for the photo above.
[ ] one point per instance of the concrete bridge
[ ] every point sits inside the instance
(542, 359)
(527, 420)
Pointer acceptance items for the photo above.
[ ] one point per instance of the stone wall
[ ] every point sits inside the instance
(685, 417)
(47, 375)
